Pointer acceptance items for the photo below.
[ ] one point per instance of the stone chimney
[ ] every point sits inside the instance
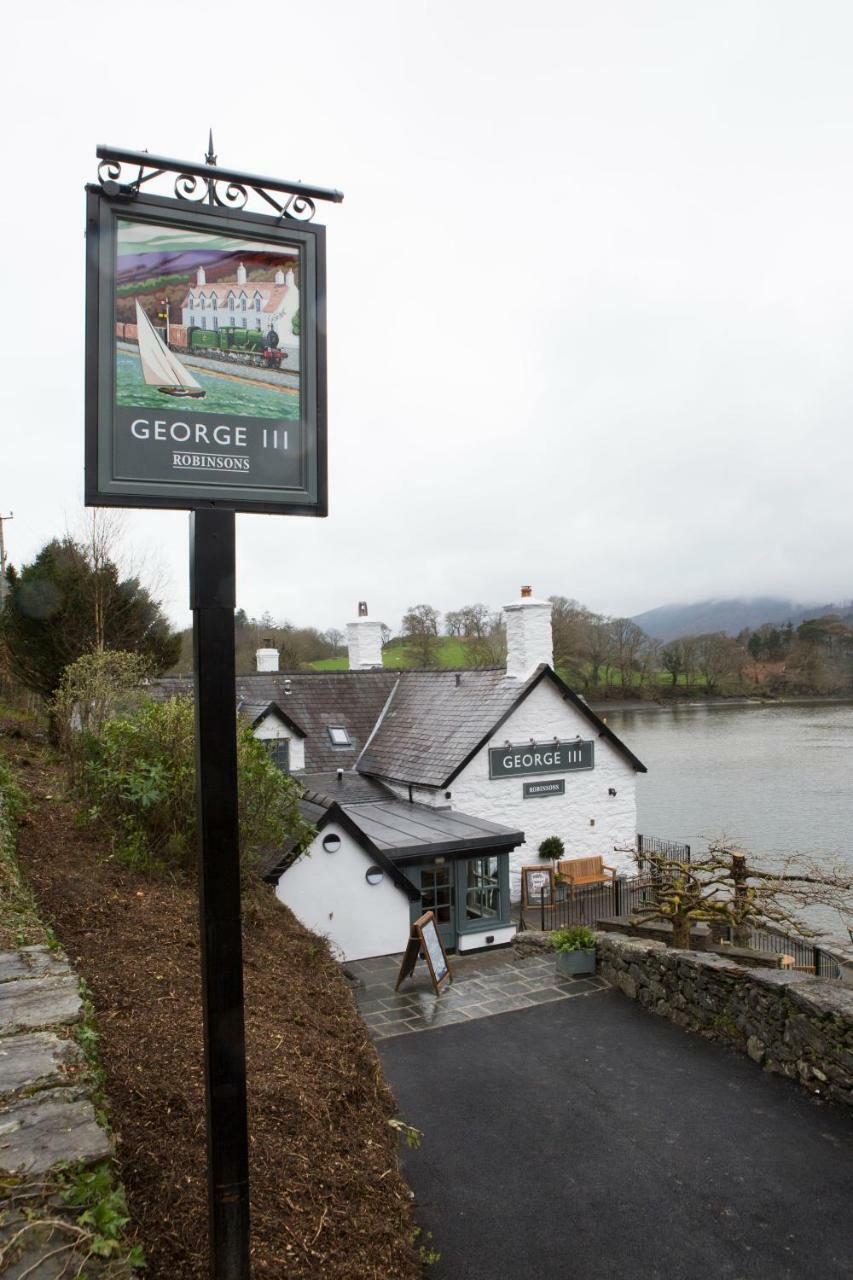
(528, 635)
(364, 641)
(200, 277)
(266, 658)
(241, 274)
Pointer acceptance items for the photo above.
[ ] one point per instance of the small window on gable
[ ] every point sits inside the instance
(279, 750)
(340, 737)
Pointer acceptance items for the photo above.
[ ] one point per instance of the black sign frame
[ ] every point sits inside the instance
(102, 487)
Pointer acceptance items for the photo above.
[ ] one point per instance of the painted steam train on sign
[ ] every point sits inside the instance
(230, 344)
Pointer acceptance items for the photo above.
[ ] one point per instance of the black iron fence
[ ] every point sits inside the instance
(673, 850)
(627, 895)
(587, 904)
(809, 957)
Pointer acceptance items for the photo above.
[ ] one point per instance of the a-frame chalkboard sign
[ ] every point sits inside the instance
(425, 940)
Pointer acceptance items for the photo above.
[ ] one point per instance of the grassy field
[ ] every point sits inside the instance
(451, 653)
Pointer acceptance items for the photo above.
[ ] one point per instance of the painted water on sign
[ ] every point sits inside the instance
(776, 779)
(224, 393)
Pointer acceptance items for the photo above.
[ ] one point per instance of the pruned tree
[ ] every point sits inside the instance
(727, 889)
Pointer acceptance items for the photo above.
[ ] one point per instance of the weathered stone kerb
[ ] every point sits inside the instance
(790, 1023)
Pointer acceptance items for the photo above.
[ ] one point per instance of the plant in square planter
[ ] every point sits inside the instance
(575, 948)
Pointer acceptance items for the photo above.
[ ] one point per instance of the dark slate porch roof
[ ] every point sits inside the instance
(396, 832)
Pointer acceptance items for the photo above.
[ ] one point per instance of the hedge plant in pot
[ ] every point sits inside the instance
(575, 948)
(552, 848)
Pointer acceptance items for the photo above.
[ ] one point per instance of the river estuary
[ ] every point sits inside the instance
(774, 778)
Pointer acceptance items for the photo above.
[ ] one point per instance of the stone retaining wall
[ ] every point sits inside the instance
(793, 1024)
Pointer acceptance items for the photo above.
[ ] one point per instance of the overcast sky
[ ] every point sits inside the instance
(590, 291)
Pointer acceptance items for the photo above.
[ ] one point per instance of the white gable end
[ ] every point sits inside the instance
(587, 818)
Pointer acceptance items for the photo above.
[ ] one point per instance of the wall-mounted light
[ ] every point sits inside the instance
(374, 875)
(331, 843)
(533, 742)
(611, 791)
(439, 862)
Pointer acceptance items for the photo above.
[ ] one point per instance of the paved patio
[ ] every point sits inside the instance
(483, 985)
(588, 1138)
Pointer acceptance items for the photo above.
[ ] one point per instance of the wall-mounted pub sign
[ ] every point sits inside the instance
(550, 757)
(206, 363)
(534, 790)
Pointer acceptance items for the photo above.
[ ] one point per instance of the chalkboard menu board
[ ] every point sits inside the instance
(535, 881)
(425, 940)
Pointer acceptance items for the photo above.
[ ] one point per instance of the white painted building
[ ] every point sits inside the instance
(444, 784)
(244, 303)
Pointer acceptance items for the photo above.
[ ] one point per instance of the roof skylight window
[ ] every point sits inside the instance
(340, 736)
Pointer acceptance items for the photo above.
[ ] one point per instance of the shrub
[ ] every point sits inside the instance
(577, 938)
(92, 690)
(139, 778)
(552, 847)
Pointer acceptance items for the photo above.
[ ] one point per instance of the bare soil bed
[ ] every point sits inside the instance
(327, 1197)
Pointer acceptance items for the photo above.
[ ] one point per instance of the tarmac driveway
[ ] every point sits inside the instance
(589, 1138)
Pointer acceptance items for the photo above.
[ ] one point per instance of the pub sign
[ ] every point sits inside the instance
(205, 352)
(542, 757)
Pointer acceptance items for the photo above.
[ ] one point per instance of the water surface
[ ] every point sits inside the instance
(776, 779)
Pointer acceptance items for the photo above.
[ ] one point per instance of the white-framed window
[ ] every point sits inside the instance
(231, 302)
(279, 749)
(215, 323)
(214, 302)
(257, 302)
(339, 736)
(204, 322)
(243, 324)
(192, 304)
(243, 302)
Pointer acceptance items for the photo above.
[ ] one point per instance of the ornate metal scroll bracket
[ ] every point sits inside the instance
(196, 183)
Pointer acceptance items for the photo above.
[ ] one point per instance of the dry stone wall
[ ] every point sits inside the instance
(790, 1023)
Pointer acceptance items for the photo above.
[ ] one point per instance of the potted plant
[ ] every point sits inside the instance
(552, 848)
(575, 948)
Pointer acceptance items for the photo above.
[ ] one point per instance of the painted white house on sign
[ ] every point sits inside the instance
(437, 786)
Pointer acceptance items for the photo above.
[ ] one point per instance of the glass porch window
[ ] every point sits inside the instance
(437, 893)
(482, 889)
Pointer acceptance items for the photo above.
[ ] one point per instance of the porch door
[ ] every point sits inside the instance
(438, 896)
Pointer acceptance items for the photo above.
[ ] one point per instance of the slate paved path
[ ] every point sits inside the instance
(589, 1139)
(483, 985)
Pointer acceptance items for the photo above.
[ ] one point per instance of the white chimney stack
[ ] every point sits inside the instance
(279, 277)
(241, 274)
(364, 641)
(201, 278)
(266, 659)
(529, 642)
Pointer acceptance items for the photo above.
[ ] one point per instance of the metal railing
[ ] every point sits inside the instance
(674, 850)
(626, 895)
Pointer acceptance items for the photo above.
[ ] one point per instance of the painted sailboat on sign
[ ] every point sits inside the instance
(161, 368)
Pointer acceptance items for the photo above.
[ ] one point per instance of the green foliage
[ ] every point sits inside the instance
(552, 847)
(576, 938)
(13, 802)
(295, 325)
(93, 690)
(150, 285)
(139, 778)
(103, 1212)
(64, 604)
(20, 925)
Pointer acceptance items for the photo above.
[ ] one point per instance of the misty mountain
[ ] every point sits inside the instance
(732, 616)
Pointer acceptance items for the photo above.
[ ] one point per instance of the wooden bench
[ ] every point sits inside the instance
(577, 871)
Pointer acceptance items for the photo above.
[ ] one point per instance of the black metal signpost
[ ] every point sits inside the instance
(222, 411)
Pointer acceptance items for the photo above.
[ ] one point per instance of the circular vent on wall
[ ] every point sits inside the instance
(331, 843)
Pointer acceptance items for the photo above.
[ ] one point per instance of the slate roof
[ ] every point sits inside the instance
(394, 832)
(436, 721)
(314, 701)
(419, 727)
